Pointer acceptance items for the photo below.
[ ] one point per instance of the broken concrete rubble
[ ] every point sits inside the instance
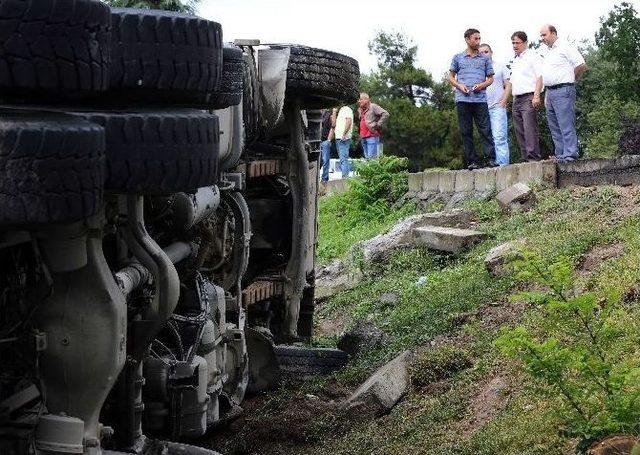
(364, 336)
(498, 257)
(518, 197)
(451, 240)
(382, 391)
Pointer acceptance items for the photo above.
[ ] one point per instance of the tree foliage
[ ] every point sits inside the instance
(188, 6)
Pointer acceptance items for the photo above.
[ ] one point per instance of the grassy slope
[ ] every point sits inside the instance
(444, 420)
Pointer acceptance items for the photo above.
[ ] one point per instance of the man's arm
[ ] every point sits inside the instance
(507, 93)
(482, 85)
(579, 70)
(536, 93)
(454, 83)
(382, 115)
(347, 125)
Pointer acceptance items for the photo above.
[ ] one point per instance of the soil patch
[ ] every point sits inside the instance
(592, 259)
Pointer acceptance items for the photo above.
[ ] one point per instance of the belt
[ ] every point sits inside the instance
(523, 94)
(553, 87)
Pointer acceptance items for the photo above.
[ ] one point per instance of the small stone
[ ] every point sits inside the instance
(497, 258)
(421, 281)
(388, 298)
(518, 197)
(364, 336)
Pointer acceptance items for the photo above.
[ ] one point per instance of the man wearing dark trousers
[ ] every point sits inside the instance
(470, 74)
(526, 87)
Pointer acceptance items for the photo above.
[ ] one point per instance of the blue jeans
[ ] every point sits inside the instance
(343, 154)
(500, 132)
(325, 152)
(370, 146)
(561, 117)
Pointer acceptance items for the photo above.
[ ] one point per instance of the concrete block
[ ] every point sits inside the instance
(385, 387)
(530, 172)
(463, 181)
(447, 182)
(431, 181)
(516, 197)
(549, 173)
(450, 218)
(506, 176)
(484, 180)
(415, 182)
(497, 258)
(451, 240)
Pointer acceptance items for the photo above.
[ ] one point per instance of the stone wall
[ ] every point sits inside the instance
(482, 181)
(624, 170)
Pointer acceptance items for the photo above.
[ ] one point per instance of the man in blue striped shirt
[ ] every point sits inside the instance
(470, 74)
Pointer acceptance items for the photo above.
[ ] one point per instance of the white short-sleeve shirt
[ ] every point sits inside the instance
(559, 64)
(526, 68)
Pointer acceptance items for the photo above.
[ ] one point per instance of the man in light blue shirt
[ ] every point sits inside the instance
(470, 74)
(497, 97)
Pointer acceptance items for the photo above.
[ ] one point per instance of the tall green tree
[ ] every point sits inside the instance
(188, 6)
(619, 42)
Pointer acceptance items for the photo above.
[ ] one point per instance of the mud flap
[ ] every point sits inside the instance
(264, 369)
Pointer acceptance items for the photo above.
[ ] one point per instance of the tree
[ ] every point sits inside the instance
(619, 41)
(170, 5)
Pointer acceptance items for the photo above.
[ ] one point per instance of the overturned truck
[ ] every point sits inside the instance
(157, 222)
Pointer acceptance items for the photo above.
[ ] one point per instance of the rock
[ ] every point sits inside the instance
(388, 298)
(335, 278)
(363, 337)
(451, 240)
(615, 445)
(401, 235)
(498, 257)
(518, 197)
(451, 218)
(385, 387)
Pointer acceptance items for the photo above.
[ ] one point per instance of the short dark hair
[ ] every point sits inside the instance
(553, 29)
(487, 46)
(470, 31)
(522, 36)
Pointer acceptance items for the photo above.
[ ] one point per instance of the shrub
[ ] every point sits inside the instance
(379, 184)
(630, 137)
(606, 126)
(436, 364)
(584, 352)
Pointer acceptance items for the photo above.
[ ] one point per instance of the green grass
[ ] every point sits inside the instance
(563, 223)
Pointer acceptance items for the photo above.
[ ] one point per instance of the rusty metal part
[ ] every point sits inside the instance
(261, 168)
(261, 290)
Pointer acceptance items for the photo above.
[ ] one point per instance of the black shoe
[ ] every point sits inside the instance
(492, 163)
(473, 167)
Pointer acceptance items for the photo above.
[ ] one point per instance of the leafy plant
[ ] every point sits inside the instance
(584, 351)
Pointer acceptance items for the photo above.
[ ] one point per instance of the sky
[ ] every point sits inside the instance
(436, 27)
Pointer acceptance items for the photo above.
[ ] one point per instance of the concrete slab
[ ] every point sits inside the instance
(530, 172)
(415, 182)
(451, 240)
(464, 181)
(484, 180)
(506, 176)
(451, 218)
(516, 197)
(431, 181)
(447, 182)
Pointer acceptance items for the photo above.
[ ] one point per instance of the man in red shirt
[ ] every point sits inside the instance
(372, 117)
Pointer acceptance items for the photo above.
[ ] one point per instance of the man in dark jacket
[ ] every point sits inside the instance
(372, 118)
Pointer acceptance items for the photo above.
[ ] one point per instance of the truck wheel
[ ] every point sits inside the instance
(51, 168)
(230, 91)
(53, 48)
(250, 99)
(303, 361)
(162, 57)
(319, 79)
(158, 152)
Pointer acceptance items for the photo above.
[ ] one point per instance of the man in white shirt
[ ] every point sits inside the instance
(343, 131)
(562, 67)
(497, 99)
(526, 85)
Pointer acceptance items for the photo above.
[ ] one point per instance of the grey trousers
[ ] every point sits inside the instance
(561, 116)
(525, 122)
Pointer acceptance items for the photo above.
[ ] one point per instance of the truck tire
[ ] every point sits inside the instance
(161, 57)
(318, 79)
(51, 168)
(52, 49)
(303, 361)
(230, 91)
(158, 152)
(250, 99)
